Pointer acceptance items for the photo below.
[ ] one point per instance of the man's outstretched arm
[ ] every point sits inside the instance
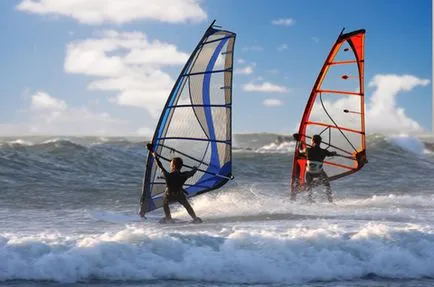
(191, 172)
(160, 165)
(331, 153)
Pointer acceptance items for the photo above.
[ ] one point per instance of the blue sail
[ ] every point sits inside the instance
(196, 121)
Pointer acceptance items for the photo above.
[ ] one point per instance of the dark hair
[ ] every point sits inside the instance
(317, 139)
(177, 162)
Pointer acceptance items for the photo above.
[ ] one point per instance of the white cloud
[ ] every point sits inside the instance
(282, 47)
(247, 70)
(382, 114)
(128, 63)
(252, 49)
(272, 102)
(265, 87)
(283, 21)
(241, 61)
(158, 54)
(48, 115)
(43, 101)
(95, 12)
(91, 56)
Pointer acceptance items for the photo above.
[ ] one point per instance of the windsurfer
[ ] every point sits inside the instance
(175, 179)
(315, 156)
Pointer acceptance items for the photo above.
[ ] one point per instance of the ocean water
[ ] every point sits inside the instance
(68, 218)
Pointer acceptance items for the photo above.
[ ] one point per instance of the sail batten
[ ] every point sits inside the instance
(335, 127)
(188, 106)
(195, 139)
(216, 40)
(339, 92)
(343, 62)
(208, 72)
(195, 123)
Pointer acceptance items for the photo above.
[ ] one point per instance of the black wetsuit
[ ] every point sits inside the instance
(174, 191)
(318, 154)
(315, 154)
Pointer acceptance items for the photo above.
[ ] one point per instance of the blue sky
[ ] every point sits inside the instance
(66, 65)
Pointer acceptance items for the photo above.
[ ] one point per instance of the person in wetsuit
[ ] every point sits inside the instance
(315, 156)
(175, 179)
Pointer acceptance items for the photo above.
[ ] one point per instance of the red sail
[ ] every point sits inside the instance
(335, 110)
